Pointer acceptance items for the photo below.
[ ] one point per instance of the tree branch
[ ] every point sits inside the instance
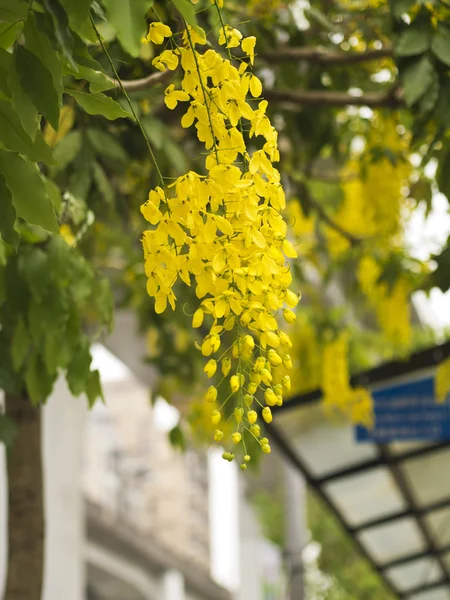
(322, 214)
(322, 56)
(391, 99)
(137, 85)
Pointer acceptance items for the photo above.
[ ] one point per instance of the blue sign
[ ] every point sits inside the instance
(407, 412)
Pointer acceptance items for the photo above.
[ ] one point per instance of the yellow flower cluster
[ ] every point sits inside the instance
(356, 403)
(223, 232)
(391, 306)
(373, 190)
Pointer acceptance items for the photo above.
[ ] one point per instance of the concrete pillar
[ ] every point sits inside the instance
(250, 551)
(296, 530)
(172, 585)
(63, 422)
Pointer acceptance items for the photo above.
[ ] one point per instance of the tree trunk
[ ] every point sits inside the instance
(25, 503)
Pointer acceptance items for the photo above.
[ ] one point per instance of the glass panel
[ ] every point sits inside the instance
(400, 448)
(429, 476)
(368, 495)
(393, 540)
(323, 445)
(439, 524)
(440, 593)
(414, 573)
(446, 558)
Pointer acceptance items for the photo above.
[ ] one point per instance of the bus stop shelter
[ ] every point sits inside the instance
(391, 497)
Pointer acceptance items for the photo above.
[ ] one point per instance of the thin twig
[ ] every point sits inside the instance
(137, 85)
(323, 56)
(322, 214)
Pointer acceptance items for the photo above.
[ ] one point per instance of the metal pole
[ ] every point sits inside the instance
(296, 531)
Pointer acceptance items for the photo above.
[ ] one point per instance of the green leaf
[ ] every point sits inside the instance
(155, 130)
(5, 62)
(14, 137)
(93, 388)
(20, 344)
(40, 45)
(8, 430)
(35, 271)
(440, 46)
(106, 145)
(28, 191)
(52, 352)
(59, 253)
(61, 27)
(413, 41)
(81, 178)
(82, 56)
(99, 104)
(175, 155)
(38, 381)
(177, 439)
(103, 303)
(416, 80)
(35, 323)
(13, 10)
(128, 19)
(10, 381)
(78, 371)
(98, 82)
(7, 215)
(78, 14)
(428, 100)
(67, 150)
(444, 102)
(103, 183)
(37, 81)
(186, 10)
(24, 107)
(8, 34)
(54, 193)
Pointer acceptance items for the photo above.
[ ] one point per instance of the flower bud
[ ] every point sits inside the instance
(218, 435)
(197, 319)
(289, 316)
(270, 397)
(267, 414)
(234, 383)
(256, 430)
(210, 367)
(286, 383)
(252, 387)
(226, 366)
(238, 413)
(291, 299)
(211, 394)
(252, 416)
